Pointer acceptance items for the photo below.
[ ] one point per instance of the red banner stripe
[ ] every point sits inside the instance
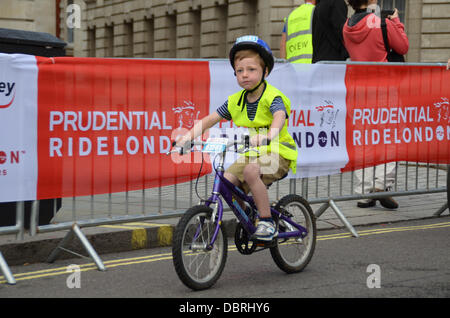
(398, 113)
(105, 124)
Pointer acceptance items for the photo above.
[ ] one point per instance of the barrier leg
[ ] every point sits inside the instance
(34, 217)
(6, 272)
(322, 209)
(61, 246)
(343, 219)
(20, 219)
(76, 231)
(441, 210)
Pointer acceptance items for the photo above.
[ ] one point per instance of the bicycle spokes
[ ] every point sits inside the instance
(197, 262)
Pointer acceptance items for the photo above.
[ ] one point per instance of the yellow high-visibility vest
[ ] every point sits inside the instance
(299, 48)
(283, 143)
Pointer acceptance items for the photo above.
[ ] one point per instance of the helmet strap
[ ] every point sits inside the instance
(245, 93)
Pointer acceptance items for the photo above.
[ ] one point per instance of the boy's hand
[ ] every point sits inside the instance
(259, 140)
(184, 143)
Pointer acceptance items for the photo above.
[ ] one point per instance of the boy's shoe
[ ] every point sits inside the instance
(265, 231)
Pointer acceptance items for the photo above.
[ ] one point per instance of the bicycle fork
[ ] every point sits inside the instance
(216, 218)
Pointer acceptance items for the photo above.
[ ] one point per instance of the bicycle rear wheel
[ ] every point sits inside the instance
(197, 266)
(292, 255)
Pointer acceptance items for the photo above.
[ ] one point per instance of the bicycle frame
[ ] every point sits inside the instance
(226, 189)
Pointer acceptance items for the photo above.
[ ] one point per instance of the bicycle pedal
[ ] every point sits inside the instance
(260, 243)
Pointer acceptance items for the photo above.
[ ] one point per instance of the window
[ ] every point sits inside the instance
(91, 42)
(172, 35)
(149, 37)
(391, 4)
(109, 41)
(222, 14)
(252, 16)
(196, 25)
(129, 39)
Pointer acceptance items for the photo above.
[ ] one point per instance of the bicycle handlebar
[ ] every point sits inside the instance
(245, 141)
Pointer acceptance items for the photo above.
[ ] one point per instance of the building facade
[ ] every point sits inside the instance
(199, 28)
(176, 29)
(29, 15)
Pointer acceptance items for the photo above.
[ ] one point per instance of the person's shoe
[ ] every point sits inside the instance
(265, 231)
(366, 203)
(388, 203)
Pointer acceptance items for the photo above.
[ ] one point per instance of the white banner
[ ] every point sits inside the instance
(18, 122)
(318, 110)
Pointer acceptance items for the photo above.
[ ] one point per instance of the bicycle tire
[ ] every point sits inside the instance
(197, 267)
(292, 256)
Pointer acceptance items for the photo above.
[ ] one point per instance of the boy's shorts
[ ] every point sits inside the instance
(273, 168)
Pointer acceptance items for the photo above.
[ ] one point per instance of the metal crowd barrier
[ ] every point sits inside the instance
(172, 201)
(17, 229)
(410, 179)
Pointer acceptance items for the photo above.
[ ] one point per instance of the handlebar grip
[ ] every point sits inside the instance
(265, 142)
(247, 141)
(185, 148)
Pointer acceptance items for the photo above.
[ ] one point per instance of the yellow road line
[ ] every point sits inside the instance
(89, 266)
(383, 231)
(119, 227)
(134, 225)
(147, 224)
(168, 256)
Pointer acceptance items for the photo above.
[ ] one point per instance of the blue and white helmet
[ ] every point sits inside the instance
(253, 42)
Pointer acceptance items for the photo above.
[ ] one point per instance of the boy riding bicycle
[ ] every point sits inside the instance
(264, 110)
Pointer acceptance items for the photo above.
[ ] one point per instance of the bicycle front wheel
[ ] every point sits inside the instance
(292, 255)
(197, 265)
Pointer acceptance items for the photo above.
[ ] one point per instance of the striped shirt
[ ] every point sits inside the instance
(276, 105)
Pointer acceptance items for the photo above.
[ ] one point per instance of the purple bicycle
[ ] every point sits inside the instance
(200, 244)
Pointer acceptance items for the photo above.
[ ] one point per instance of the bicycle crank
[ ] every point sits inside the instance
(242, 242)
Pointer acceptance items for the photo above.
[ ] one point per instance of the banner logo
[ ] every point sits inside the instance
(186, 115)
(6, 90)
(318, 126)
(9, 158)
(328, 114)
(3, 157)
(14, 157)
(443, 110)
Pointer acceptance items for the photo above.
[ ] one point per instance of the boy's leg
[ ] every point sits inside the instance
(268, 169)
(264, 171)
(252, 176)
(261, 172)
(232, 178)
(266, 229)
